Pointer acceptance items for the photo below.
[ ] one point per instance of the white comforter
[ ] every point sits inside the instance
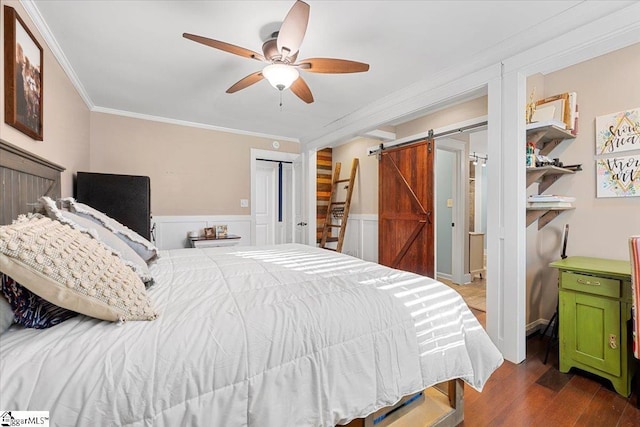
(276, 336)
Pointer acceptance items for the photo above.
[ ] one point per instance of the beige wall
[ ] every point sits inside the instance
(454, 114)
(65, 115)
(365, 193)
(193, 171)
(598, 227)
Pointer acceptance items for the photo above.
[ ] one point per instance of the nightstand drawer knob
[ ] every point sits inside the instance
(588, 282)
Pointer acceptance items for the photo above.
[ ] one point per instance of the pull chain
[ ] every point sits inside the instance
(280, 100)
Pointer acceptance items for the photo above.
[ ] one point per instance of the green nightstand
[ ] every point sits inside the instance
(594, 311)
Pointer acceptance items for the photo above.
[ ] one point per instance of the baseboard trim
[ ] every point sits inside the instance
(537, 326)
(445, 276)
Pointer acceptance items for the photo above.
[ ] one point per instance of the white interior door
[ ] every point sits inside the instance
(265, 202)
(265, 227)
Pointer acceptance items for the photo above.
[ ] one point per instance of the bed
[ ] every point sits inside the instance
(289, 335)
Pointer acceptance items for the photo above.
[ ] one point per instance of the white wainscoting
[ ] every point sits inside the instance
(361, 238)
(171, 231)
(360, 241)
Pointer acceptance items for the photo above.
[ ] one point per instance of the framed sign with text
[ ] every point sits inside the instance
(618, 154)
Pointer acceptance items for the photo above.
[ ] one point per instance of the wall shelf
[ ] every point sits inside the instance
(548, 137)
(543, 215)
(545, 175)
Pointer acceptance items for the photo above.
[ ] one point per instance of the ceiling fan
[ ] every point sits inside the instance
(281, 52)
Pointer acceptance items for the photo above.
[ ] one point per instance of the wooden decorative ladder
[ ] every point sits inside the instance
(344, 205)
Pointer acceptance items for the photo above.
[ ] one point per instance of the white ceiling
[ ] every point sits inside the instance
(130, 56)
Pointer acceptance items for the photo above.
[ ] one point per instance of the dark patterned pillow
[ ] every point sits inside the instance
(29, 309)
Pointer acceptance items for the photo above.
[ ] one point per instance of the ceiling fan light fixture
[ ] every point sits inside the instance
(281, 76)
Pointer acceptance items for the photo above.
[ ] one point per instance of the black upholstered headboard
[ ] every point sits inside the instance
(125, 198)
(24, 177)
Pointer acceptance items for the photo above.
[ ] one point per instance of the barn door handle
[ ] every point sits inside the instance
(429, 217)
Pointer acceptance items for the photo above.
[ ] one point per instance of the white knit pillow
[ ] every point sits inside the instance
(72, 270)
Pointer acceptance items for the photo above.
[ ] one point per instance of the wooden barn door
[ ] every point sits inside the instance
(405, 208)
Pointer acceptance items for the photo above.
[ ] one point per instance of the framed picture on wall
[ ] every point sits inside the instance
(618, 176)
(23, 64)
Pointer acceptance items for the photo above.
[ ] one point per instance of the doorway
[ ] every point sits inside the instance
(461, 186)
(274, 202)
(277, 205)
(451, 210)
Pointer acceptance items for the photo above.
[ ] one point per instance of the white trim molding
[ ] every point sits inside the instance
(52, 43)
(361, 237)
(190, 124)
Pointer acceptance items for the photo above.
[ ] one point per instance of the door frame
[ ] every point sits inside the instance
(256, 154)
(268, 171)
(459, 235)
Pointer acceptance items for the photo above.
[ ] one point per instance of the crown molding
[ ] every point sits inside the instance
(44, 30)
(190, 124)
(52, 43)
(599, 37)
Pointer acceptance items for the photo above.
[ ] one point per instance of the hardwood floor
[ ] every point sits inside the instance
(534, 394)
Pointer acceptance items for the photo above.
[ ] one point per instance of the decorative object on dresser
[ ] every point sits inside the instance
(221, 231)
(209, 233)
(23, 67)
(125, 198)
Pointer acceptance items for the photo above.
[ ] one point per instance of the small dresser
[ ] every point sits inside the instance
(212, 242)
(594, 305)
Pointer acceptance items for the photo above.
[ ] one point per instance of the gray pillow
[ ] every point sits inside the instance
(115, 243)
(6, 314)
(142, 246)
(97, 231)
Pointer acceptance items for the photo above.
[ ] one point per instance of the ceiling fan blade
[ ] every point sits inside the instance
(293, 29)
(302, 91)
(227, 47)
(246, 82)
(332, 66)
